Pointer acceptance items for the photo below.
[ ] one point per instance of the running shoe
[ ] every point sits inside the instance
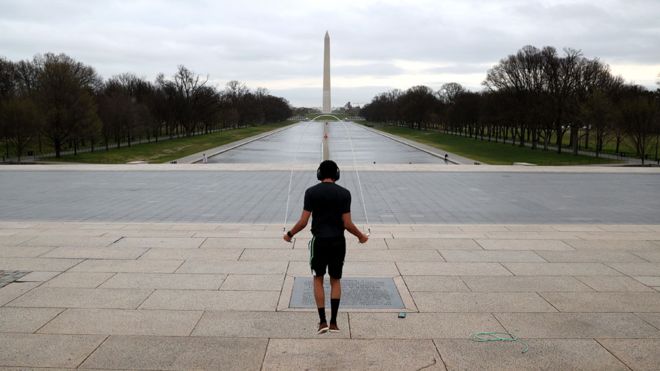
(323, 328)
(333, 327)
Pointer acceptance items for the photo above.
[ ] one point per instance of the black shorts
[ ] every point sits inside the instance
(327, 252)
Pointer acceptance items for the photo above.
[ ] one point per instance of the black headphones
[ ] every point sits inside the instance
(321, 176)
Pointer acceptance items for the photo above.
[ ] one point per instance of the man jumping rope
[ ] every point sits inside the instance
(330, 207)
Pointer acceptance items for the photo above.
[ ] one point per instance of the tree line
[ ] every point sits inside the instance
(54, 99)
(535, 97)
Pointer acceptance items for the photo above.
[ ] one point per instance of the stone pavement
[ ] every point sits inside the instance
(216, 296)
(256, 193)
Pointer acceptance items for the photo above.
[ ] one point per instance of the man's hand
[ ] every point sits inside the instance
(287, 238)
(363, 238)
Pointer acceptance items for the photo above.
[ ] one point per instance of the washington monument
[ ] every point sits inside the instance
(327, 107)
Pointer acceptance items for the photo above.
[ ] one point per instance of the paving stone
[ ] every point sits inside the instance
(560, 269)
(160, 242)
(621, 236)
(272, 255)
(254, 282)
(354, 269)
(490, 256)
(61, 297)
(577, 325)
(524, 245)
(483, 228)
(245, 243)
(613, 283)
(14, 290)
(78, 279)
(39, 350)
(16, 225)
(431, 228)
(637, 269)
(435, 283)
(421, 325)
(612, 245)
(650, 255)
(59, 232)
(96, 252)
(638, 354)
(648, 280)
(150, 226)
(433, 243)
(38, 276)
(14, 240)
(525, 284)
(625, 228)
(212, 300)
(457, 233)
(178, 353)
(70, 241)
(351, 354)
(374, 243)
(652, 318)
(589, 256)
(148, 233)
(537, 236)
(165, 281)
(185, 254)
(25, 319)
(546, 354)
(577, 228)
(123, 322)
(37, 264)
(480, 302)
(22, 251)
(271, 325)
(392, 255)
(530, 228)
(226, 267)
(604, 301)
(132, 266)
(452, 269)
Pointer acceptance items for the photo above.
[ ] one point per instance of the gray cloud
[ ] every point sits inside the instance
(279, 44)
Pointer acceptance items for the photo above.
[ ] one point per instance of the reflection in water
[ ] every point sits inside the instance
(301, 143)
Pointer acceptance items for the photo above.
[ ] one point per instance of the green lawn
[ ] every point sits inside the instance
(490, 152)
(168, 150)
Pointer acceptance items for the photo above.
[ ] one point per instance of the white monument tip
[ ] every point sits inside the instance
(327, 107)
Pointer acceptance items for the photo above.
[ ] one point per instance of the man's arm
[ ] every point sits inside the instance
(350, 227)
(300, 225)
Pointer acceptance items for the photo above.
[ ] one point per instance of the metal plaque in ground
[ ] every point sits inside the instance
(356, 293)
(7, 277)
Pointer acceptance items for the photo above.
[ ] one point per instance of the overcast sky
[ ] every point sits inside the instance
(375, 45)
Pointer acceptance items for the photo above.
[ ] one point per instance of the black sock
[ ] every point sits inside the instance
(322, 315)
(334, 305)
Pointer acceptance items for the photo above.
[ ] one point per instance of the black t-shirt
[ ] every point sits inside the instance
(327, 202)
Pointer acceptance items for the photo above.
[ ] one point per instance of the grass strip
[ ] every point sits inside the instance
(490, 152)
(168, 150)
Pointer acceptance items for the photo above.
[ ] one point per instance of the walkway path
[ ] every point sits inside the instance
(216, 296)
(249, 194)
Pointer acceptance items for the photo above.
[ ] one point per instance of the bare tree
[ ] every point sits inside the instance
(64, 92)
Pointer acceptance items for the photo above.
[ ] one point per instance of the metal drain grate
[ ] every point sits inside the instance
(7, 277)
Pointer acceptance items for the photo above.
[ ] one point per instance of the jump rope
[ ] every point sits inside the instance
(357, 175)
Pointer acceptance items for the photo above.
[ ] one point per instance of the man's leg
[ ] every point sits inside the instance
(335, 296)
(319, 297)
